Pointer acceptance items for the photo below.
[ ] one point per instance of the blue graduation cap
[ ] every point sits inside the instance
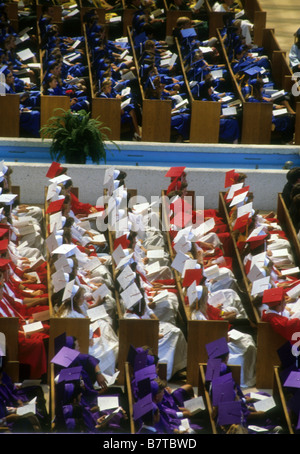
(188, 33)
(253, 71)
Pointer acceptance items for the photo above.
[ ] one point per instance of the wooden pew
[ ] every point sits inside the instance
(253, 13)
(130, 331)
(200, 333)
(9, 326)
(156, 118)
(279, 397)
(10, 122)
(205, 115)
(288, 227)
(50, 103)
(258, 115)
(258, 17)
(202, 390)
(268, 341)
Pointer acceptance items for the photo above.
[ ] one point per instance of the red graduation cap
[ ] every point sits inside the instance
(122, 240)
(229, 178)
(4, 263)
(3, 245)
(256, 241)
(182, 219)
(3, 231)
(175, 172)
(273, 296)
(241, 191)
(192, 275)
(54, 170)
(241, 222)
(55, 206)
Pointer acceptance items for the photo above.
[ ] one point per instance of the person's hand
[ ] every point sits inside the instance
(101, 380)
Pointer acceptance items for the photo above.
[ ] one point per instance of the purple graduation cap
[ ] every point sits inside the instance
(293, 380)
(144, 387)
(65, 357)
(142, 407)
(230, 412)
(137, 357)
(217, 348)
(285, 355)
(70, 374)
(213, 368)
(146, 372)
(59, 342)
(223, 389)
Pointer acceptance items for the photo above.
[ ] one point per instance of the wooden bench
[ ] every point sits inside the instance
(10, 122)
(9, 326)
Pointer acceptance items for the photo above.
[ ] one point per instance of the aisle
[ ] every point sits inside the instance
(284, 17)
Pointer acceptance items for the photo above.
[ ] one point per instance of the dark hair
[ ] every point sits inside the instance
(293, 175)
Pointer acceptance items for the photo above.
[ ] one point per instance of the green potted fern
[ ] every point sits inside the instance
(76, 137)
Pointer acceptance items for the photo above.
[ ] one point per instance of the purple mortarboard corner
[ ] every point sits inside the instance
(146, 372)
(60, 342)
(213, 368)
(142, 407)
(229, 412)
(293, 380)
(144, 387)
(140, 360)
(298, 422)
(285, 355)
(223, 389)
(70, 374)
(217, 348)
(65, 357)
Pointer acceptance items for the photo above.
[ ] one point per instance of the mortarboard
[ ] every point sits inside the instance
(256, 241)
(230, 178)
(175, 172)
(188, 33)
(54, 170)
(293, 379)
(241, 222)
(122, 240)
(3, 246)
(273, 296)
(223, 389)
(213, 368)
(59, 342)
(142, 407)
(65, 357)
(182, 219)
(70, 374)
(148, 372)
(4, 263)
(55, 206)
(144, 387)
(192, 275)
(254, 70)
(217, 348)
(230, 412)
(285, 355)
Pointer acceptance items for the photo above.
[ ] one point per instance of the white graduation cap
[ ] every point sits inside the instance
(70, 290)
(192, 293)
(59, 279)
(131, 295)
(65, 249)
(3, 168)
(211, 272)
(126, 277)
(260, 285)
(2, 347)
(179, 260)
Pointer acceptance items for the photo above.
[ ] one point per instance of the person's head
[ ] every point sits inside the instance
(297, 37)
(149, 45)
(293, 175)
(66, 208)
(183, 22)
(106, 85)
(158, 387)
